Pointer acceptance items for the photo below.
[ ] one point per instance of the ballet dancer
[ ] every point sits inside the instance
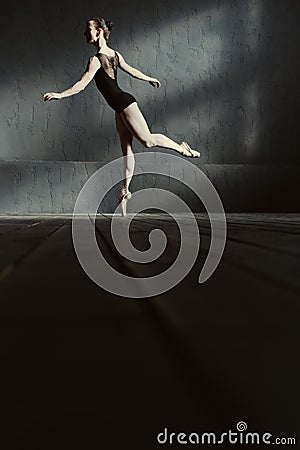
(130, 121)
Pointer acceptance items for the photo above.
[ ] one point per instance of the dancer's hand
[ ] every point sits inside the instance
(51, 95)
(155, 83)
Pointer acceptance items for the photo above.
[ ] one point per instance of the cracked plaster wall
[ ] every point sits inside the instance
(229, 73)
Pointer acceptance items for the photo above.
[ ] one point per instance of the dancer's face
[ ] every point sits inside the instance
(91, 33)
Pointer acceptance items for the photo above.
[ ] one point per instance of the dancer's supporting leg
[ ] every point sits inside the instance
(125, 137)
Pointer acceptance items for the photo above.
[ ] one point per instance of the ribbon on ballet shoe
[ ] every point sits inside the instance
(125, 194)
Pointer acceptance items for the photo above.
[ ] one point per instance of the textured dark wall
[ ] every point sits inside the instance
(230, 84)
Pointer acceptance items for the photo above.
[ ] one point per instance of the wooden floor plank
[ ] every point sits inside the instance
(263, 253)
(12, 226)
(17, 244)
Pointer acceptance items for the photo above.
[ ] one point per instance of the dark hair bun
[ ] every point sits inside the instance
(109, 24)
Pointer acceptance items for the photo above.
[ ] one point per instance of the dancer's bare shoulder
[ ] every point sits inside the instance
(92, 66)
(93, 63)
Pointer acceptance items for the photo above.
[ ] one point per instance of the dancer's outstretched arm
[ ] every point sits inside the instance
(86, 78)
(136, 73)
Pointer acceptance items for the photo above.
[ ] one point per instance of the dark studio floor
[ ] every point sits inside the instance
(83, 368)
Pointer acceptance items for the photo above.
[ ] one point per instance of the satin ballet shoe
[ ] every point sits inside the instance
(124, 196)
(187, 151)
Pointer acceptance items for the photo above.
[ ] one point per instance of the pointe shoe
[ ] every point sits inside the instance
(187, 151)
(124, 196)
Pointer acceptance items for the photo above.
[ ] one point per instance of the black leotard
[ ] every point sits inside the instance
(106, 81)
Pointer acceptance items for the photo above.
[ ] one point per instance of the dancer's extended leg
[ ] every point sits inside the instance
(137, 125)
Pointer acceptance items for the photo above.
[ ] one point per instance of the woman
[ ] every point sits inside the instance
(129, 120)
